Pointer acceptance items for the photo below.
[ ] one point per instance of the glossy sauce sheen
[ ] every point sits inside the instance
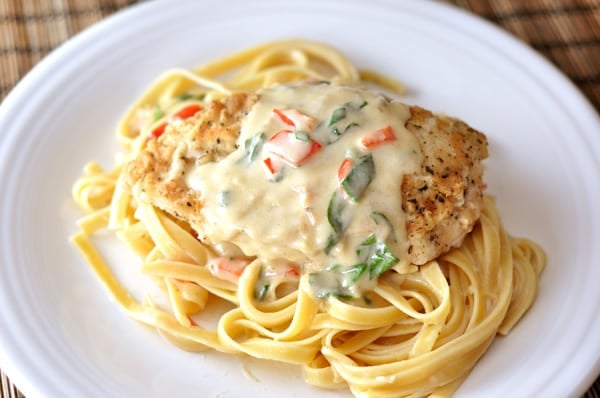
(285, 217)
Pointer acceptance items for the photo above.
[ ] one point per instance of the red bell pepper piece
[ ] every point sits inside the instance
(378, 137)
(182, 114)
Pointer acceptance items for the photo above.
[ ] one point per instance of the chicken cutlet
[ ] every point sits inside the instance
(317, 174)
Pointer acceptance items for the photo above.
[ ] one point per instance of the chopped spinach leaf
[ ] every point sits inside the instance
(261, 291)
(352, 274)
(382, 260)
(331, 241)
(349, 126)
(337, 281)
(188, 96)
(158, 113)
(279, 176)
(337, 115)
(378, 257)
(380, 219)
(359, 177)
(301, 136)
(335, 212)
(253, 145)
(342, 296)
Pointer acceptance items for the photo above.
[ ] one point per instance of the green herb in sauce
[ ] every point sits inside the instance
(339, 215)
(342, 282)
(339, 210)
(359, 177)
(381, 219)
(158, 113)
(376, 255)
(335, 211)
(337, 281)
(253, 146)
(352, 274)
(301, 136)
(188, 96)
(261, 290)
(279, 176)
(262, 285)
(348, 127)
(337, 115)
(331, 241)
(342, 113)
(327, 283)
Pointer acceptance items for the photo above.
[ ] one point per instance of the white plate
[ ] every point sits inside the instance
(61, 336)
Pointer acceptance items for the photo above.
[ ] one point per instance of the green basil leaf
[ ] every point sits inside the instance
(332, 240)
(261, 291)
(381, 219)
(352, 274)
(158, 113)
(348, 127)
(359, 177)
(337, 115)
(253, 146)
(342, 296)
(381, 261)
(188, 96)
(301, 136)
(371, 240)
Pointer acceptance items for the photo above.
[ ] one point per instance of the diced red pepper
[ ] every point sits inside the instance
(378, 137)
(227, 268)
(344, 169)
(283, 117)
(272, 165)
(183, 113)
(159, 130)
(280, 137)
(315, 147)
(188, 111)
(295, 119)
(293, 272)
(291, 150)
(286, 271)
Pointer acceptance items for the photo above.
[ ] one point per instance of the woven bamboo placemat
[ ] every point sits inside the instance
(567, 32)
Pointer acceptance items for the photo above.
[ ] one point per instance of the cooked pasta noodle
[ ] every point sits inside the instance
(420, 332)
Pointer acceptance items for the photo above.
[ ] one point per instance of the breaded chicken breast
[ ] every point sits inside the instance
(322, 169)
(443, 200)
(157, 175)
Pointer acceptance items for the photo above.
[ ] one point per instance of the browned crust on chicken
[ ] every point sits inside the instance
(443, 201)
(157, 175)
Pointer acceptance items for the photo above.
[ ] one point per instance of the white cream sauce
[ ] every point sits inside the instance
(285, 217)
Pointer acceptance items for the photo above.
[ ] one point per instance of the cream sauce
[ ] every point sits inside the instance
(286, 216)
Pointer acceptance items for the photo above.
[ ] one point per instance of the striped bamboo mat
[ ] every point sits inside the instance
(567, 32)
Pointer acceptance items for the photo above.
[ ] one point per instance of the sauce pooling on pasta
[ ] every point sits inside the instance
(315, 181)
